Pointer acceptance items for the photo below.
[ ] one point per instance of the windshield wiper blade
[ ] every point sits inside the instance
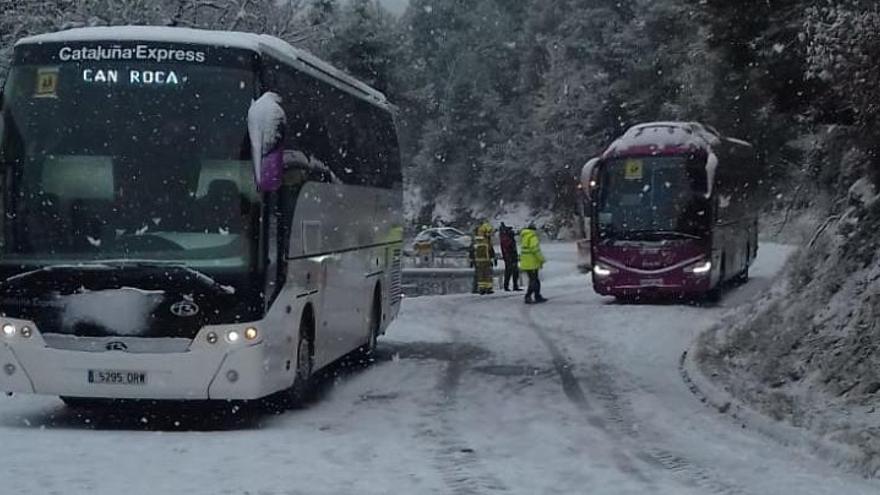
(678, 233)
(635, 235)
(199, 275)
(119, 264)
(60, 266)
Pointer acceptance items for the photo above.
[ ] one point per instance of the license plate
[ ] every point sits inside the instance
(117, 377)
(651, 282)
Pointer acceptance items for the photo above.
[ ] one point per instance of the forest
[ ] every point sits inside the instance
(502, 101)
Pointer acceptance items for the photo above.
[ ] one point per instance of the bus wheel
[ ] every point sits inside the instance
(368, 349)
(299, 391)
(743, 276)
(305, 362)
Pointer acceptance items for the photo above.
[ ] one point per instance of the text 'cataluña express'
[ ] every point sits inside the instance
(138, 52)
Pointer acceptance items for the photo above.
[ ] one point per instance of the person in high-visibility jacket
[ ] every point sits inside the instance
(484, 258)
(531, 260)
(471, 253)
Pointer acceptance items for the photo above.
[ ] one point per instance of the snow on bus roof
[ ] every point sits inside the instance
(665, 135)
(259, 43)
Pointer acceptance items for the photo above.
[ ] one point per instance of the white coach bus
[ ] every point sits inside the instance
(190, 215)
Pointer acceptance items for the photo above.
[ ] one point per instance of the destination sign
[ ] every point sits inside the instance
(133, 76)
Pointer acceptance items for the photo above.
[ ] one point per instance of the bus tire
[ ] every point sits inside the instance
(743, 276)
(368, 349)
(300, 389)
(714, 295)
(305, 363)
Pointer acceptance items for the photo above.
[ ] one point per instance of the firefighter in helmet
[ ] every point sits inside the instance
(484, 258)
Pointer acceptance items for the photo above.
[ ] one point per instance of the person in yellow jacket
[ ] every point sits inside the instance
(531, 260)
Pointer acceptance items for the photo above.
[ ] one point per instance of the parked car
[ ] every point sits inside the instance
(443, 239)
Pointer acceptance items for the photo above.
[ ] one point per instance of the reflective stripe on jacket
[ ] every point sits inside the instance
(482, 251)
(531, 257)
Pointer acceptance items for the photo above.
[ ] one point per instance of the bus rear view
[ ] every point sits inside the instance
(673, 212)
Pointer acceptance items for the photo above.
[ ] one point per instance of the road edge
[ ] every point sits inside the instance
(716, 397)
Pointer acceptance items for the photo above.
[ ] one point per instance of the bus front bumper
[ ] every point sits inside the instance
(623, 283)
(202, 372)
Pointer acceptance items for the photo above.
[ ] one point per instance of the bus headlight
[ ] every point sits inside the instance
(9, 330)
(233, 336)
(251, 333)
(602, 270)
(700, 268)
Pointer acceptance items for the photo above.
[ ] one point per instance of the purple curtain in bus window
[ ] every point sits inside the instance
(271, 170)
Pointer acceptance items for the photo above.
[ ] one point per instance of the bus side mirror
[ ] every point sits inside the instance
(266, 124)
(295, 160)
(310, 168)
(588, 180)
(711, 169)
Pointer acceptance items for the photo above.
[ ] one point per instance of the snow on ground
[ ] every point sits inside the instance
(468, 395)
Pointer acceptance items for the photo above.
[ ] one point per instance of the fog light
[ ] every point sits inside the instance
(232, 336)
(232, 376)
(26, 332)
(211, 338)
(9, 369)
(9, 330)
(251, 333)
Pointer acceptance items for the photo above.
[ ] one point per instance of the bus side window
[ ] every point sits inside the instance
(352, 141)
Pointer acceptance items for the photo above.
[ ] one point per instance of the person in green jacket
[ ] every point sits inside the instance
(531, 260)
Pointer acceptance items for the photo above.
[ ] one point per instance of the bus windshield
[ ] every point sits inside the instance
(112, 160)
(652, 198)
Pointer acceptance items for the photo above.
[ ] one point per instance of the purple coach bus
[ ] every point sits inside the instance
(673, 211)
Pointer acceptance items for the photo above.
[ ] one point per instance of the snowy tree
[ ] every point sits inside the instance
(364, 41)
(843, 44)
(503, 101)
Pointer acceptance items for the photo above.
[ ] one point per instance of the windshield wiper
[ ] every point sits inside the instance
(637, 235)
(120, 264)
(60, 266)
(677, 233)
(199, 275)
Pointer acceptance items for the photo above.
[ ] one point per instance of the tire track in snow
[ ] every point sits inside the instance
(459, 465)
(619, 414)
(575, 393)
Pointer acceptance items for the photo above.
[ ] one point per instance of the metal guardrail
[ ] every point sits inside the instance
(437, 260)
(429, 280)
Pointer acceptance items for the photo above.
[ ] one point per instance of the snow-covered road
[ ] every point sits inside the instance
(468, 395)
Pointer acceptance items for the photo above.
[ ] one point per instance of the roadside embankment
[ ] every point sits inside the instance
(806, 353)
